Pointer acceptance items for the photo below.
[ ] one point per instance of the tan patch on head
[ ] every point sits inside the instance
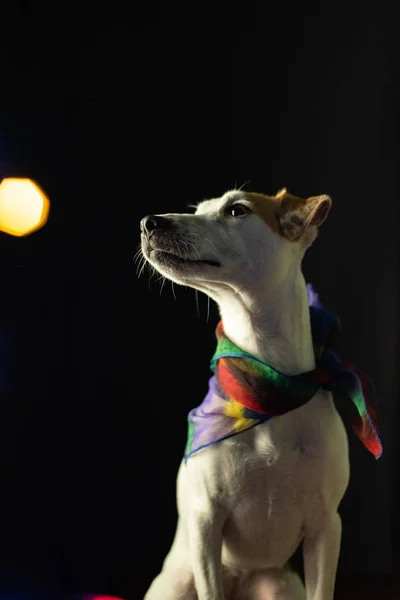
(267, 208)
(281, 193)
(290, 215)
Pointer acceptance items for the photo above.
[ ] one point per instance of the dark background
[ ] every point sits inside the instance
(127, 109)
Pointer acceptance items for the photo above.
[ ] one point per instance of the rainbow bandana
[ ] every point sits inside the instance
(244, 391)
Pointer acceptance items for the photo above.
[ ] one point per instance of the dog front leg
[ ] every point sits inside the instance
(205, 535)
(321, 555)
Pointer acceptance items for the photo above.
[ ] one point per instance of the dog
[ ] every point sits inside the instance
(246, 503)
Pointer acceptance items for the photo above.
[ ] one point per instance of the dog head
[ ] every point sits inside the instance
(239, 238)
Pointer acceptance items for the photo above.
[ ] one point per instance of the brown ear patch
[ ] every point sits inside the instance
(298, 214)
(322, 211)
(289, 215)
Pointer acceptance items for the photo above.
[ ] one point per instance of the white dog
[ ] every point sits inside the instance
(247, 502)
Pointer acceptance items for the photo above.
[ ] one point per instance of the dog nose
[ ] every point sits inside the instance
(152, 222)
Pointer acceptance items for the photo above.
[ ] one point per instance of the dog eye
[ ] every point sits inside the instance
(238, 210)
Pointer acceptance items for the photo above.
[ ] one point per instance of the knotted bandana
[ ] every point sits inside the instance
(244, 391)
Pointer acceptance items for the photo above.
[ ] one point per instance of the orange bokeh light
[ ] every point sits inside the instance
(24, 207)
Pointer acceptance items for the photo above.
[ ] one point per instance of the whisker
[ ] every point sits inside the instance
(138, 253)
(141, 267)
(206, 239)
(242, 186)
(194, 247)
(210, 242)
(197, 235)
(162, 284)
(177, 247)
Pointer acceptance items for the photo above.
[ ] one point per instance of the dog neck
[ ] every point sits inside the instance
(272, 324)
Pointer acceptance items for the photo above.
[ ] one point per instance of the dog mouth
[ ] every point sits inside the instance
(166, 256)
(167, 252)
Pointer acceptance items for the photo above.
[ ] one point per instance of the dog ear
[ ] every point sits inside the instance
(296, 215)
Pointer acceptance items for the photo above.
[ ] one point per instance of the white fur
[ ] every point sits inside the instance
(246, 503)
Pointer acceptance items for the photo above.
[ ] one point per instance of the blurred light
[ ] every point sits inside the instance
(24, 207)
(97, 597)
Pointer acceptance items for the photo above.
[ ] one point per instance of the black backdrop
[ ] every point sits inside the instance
(120, 111)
